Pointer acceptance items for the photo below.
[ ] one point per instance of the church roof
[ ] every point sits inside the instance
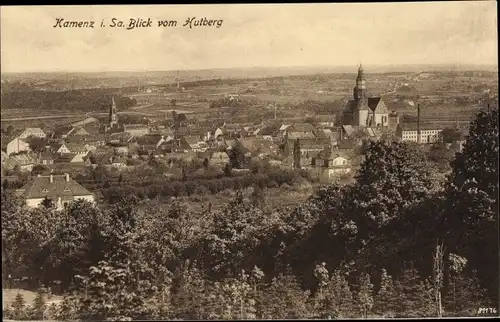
(377, 105)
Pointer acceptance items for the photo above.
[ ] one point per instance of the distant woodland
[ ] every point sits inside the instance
(70, 100)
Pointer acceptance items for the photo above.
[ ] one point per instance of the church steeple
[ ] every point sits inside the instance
(113, 119)
(360, 89)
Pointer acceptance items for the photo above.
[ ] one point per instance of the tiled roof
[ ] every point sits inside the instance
(192, 140)
(76, 148)
(41, 187)
(301, 127)
(21, 159)
(34, 131)
(65, 157)
(254, 145)
(300, 135)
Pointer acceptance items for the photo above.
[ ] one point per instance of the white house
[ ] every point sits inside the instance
(17, 145)
(32, 131)
(60, 189)
(329, 164)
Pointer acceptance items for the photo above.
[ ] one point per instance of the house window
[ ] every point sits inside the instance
(343, 162)
(45, 190)
(66, 189)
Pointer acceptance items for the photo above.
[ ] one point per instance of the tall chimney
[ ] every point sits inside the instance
(67, 177)
(418, 123)
(51, 178)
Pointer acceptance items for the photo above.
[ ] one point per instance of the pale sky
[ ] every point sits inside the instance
(266, 35)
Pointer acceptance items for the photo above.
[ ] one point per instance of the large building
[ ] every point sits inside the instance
(364, 110)
(60, 189)
(408, 132)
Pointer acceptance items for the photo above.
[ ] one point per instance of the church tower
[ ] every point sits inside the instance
(113, 119)
(360, 99)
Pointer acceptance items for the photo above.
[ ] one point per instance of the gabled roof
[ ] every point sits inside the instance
(56, 145)
(75, 147)
(345, 145)
(349, 130)
(193, 140)
(377, 105)
(21, 159)
(331, 154)
(258, 145)
(65, 157)
(148, 139)
(41, 187)
(78, 131)
(301, 127)
(33, 131)
(268, 129)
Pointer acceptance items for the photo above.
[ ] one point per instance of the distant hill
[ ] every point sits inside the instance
(249, 72)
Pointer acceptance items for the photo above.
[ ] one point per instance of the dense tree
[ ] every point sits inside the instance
(393, 177)
(19, 307)
(385, 301)
(39, 307)
(296, 154)
(284, 299)
(416, 295)
(472, 193)
(237, 156)
(364, 296)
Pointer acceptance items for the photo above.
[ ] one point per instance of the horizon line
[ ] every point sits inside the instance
(453, 65)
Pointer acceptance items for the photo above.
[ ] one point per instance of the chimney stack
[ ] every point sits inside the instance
(418, 123)
(67, 177)
(51, 178)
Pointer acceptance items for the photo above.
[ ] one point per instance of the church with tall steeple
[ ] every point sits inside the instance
(366, 111)
(113, 118)
(113, 125)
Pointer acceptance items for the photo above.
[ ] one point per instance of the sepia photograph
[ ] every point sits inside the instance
(250, 161)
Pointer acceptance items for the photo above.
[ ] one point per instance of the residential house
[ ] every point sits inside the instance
(305, 162)
(219, 158)
(217, 132)
(325, 120)
(259, 147)
(234, 131)
(185, 156)
(76, 158)
(32, 131)
(60, 189)
(77, 131)
(301, 129)
(46, 158)
(267, 132)
(116, 137)
(76, 148)
(120, 148)
(59, 148)
(195, 143)
(24, 161)
(329, 163)
(61, 132)
(17, 145)
(407, 132)
(112, 161)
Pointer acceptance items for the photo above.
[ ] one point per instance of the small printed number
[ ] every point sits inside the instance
(487, 310)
